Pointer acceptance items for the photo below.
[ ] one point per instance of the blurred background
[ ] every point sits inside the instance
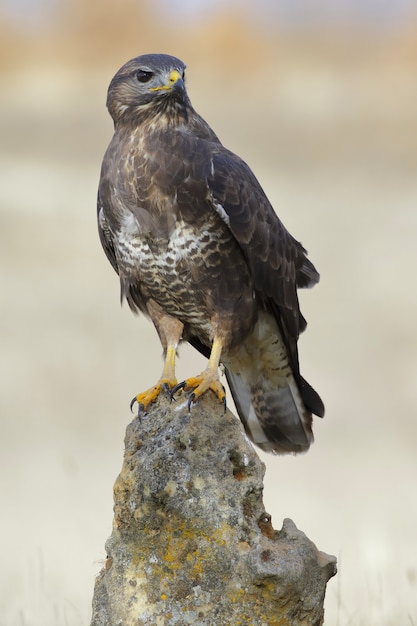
(320, 98)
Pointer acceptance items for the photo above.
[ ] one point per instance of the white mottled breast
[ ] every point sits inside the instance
(184, 243)
(168, 270)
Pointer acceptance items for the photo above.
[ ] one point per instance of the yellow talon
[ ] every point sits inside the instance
(146, 398)
(209, 379)
(200, 384)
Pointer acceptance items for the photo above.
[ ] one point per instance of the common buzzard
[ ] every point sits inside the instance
(199, 249)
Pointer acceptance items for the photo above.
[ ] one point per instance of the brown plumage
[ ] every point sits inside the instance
(200, 250)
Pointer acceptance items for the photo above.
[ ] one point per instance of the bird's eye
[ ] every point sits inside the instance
(144, 76)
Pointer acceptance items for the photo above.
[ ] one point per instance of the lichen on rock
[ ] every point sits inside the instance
(191, 541)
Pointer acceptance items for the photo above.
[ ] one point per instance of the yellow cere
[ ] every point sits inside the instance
(174, 75)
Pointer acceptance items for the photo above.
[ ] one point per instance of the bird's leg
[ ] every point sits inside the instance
(169, 331)
(166, 383)
(209, 379)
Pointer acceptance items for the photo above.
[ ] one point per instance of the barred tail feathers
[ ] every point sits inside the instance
(266, 394)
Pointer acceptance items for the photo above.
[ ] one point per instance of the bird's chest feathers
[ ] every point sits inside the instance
(178, 254)
(174, 272)
(169, 241)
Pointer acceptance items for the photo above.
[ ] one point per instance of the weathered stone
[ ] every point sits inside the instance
(191, 541)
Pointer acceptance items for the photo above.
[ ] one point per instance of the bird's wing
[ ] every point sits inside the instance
(105, 234)
(279, 265)
(277, 261)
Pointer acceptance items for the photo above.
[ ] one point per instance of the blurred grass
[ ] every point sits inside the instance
(327, 120)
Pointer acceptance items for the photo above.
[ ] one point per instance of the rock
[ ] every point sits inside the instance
(191, 541)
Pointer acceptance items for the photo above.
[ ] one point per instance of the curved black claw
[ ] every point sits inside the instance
(140, 407)
(168, 391)
(224, 404)
(132, 404)
(174, 390)
(190, 401)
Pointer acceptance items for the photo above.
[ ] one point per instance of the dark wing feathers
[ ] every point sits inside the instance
(311, 398)
(307, 275)
(278, 262)
(105, 236)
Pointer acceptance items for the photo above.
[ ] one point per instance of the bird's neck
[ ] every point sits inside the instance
(169, 114)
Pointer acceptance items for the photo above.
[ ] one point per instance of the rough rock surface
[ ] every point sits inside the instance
(191, 541)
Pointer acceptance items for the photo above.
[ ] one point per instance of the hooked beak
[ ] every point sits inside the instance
(173, 78)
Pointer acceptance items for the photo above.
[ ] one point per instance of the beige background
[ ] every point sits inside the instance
(327, 119)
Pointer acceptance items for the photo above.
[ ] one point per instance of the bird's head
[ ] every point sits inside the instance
(151, 82)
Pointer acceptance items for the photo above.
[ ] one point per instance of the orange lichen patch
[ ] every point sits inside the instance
(238, 595)
(185, 547)
(180, 547)
(181, 553)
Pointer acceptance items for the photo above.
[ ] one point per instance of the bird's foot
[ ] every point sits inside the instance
(144, 399)
(198, 385)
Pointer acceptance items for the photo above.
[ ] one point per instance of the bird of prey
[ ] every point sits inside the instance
(199, 250)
